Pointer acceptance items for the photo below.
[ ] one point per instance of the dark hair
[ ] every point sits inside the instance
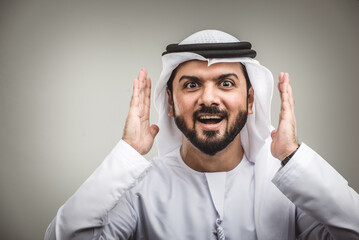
(174, 72)
(170, 80)
(249, 84)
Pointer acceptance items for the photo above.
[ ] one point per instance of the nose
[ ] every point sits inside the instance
(209, 96)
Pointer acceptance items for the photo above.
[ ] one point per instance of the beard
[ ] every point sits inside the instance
(212, 143)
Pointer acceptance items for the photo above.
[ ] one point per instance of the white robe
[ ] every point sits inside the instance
(129, 197)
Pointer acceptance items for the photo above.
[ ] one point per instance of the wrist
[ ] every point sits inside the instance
(286, 159)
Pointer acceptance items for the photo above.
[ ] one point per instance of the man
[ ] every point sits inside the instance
(222, 172)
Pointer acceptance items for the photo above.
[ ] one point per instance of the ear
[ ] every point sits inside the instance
(170, 102)
(250, 100)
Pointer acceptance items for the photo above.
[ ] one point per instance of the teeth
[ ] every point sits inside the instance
(210, 117)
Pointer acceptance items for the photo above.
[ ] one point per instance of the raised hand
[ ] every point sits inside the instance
(138, 132)
(284, 139)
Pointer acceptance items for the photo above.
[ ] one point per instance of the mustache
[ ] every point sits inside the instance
(210, 110)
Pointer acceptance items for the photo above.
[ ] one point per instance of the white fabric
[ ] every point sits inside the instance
(217, 186)
(100, 192)
(170, 198)
(236, 195)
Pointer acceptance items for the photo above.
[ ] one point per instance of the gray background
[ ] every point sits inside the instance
(66, 73)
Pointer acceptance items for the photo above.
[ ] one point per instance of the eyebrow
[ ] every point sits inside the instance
(223, 76)
(193, 78)
(196, 79)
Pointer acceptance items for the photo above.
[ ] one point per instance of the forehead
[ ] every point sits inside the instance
(201, 68)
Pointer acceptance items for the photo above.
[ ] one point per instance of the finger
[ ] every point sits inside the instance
(280, 84)
(285, 113)
(272, 134)
(290, 93)
(284, 95)
(287, 90)
(142, 74)
(154, 129)
(142, 80)
(135, 93)
(287, 101)
(285, 81)
(280, 77)
(148, 96)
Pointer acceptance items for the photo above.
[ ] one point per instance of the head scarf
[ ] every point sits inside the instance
(256, 131)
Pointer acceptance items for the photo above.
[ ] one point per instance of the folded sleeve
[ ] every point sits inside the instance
(327, 208)
(87, 210)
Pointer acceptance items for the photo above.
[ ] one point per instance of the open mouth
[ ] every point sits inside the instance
(210, 119)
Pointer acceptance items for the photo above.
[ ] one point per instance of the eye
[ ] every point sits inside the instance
(191, 85)
(227, 83)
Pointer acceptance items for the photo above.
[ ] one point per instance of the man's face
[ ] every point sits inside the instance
(210, 104)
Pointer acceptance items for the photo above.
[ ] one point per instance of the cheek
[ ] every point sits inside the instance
(183, 105)
(235, 102)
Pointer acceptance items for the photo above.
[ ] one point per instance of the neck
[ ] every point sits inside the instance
(222, 161)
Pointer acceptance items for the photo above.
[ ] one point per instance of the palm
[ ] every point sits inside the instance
(138, 132)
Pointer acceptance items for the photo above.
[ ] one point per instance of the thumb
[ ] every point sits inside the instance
(273, 133)
(154, 129)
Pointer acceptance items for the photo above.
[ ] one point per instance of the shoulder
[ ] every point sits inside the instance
(161, 173)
